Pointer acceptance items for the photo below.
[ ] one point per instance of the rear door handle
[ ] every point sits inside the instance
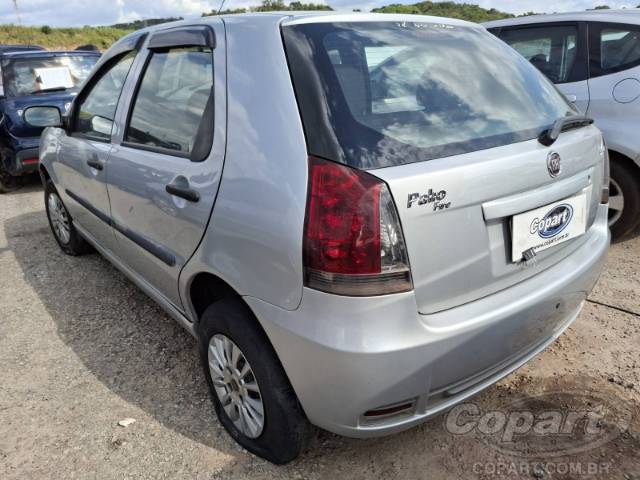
(95, 163)
(187, 193)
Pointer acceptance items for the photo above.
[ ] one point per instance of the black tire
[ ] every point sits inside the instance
(286, 430)
(625, 176)
(75, 245)
(8, 182)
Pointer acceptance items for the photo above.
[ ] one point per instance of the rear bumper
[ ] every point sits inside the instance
(27, 160)
(345, 355)
(21, 162)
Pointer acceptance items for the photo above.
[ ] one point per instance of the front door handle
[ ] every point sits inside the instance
(95, 163)
(187, 193)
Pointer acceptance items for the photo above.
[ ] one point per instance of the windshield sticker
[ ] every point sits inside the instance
(53, 77)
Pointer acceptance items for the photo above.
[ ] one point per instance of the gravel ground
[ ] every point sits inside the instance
(81, 348)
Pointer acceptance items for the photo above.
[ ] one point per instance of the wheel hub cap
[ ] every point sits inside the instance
(59, 218)
(616, 202)
(236, 386)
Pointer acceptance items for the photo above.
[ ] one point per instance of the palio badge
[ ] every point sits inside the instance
(431, 197)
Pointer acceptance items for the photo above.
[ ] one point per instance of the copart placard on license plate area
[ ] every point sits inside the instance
(548, 226)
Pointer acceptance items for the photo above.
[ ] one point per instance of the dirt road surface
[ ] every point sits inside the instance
(81, 348)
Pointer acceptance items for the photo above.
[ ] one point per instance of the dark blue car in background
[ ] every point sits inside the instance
(30, 76)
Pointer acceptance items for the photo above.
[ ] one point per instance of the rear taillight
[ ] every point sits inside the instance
(353, 242)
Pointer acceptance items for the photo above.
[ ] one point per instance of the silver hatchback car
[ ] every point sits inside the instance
(363, 219)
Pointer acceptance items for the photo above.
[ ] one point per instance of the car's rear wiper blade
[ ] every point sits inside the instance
(550, 135)
(47, 90)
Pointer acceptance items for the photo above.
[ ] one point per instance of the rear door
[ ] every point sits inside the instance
(559, 50)
(166, 163)
(615, 80)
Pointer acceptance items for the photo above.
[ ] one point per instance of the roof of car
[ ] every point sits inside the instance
(47, 53)
(269, 19)
(629, 15)
(326, 17)
(6, 48)
(313, 17)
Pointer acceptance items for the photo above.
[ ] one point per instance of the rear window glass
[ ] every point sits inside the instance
(378, 94)
(31, 75)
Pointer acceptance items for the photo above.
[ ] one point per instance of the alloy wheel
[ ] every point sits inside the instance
(59, 218)
(616, 202)
(9, 183)
(236, 386)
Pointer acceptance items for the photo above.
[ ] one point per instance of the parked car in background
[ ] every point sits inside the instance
(9, 48)
(594, 59)
(385, 239)
(30, 75)
(89, 47)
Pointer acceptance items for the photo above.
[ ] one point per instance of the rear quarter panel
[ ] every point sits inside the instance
(615, 106)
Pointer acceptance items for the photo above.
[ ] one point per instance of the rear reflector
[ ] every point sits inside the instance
(391, 410)
(30, 161)
(606, 177)
(353, 242)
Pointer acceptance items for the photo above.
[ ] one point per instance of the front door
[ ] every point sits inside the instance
(84, 152)
(165, 168)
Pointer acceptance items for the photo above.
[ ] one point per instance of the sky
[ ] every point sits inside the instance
(106, 12)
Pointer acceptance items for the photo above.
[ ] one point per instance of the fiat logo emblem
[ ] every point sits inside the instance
(553, 164)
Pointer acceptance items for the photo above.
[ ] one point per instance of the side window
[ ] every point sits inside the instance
(171, 100)
(97, 109)
(551, 49)
(614, 48)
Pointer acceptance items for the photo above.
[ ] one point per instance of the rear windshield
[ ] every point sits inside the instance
(378, 94)
(27, 75)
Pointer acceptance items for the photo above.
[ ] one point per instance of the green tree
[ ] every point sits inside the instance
(270, 6)
(300, 6)
(225, 12)
(464, 11)
(46, 29)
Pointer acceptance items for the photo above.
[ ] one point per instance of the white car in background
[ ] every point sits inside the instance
(594, 59)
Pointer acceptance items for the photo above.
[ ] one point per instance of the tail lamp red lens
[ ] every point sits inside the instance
(343, 225)
(344, 244)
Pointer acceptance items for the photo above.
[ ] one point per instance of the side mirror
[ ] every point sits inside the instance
(101, 125)
(43, 116)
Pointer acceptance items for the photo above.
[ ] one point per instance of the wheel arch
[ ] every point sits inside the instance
(205, 289)
(44, 174)
(616, 155)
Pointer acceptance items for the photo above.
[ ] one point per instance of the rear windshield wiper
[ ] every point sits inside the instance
(550, 135)
(47, 90)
